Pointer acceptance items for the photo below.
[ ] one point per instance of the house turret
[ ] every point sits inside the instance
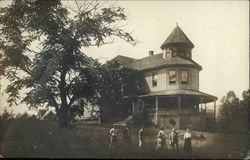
(177, 45)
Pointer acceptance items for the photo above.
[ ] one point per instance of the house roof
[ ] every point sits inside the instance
(126, 62)
(154, 62)
(207, 97)
(177, 36)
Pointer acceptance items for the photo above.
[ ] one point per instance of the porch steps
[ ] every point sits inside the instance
(126, 121)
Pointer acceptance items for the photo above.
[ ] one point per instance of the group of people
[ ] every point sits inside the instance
(161, 139)
(174, 140)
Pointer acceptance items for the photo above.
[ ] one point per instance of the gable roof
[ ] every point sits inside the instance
(154, 62)
(177, 36)
(126, 62)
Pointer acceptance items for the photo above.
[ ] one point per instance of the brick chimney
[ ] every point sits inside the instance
(151, 53)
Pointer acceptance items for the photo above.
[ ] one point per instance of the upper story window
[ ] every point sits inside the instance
(154, 80)
(168, 53)
(184, 76)
(175, 52)
(172, 76)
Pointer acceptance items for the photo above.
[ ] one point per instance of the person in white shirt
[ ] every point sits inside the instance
(161, 140)
(113, 140)
(187, 142)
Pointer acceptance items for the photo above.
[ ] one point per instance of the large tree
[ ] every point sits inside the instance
(56, 73)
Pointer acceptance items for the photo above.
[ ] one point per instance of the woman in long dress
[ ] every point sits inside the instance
(187, 142)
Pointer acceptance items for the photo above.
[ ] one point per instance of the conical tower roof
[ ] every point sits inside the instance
(177, 37)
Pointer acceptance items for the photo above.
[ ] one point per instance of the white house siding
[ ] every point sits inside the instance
(163, 79)
(193, 83)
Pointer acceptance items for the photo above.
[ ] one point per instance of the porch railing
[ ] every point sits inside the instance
(164, 111)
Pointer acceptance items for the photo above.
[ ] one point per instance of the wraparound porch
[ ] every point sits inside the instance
(180, 108)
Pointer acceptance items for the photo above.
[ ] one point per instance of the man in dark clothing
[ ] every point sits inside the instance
(126, 137)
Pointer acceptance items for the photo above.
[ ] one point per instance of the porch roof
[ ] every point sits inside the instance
(206, 97)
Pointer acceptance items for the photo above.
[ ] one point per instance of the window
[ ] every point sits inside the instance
(154, 80)
(184, 76)
(168, 54)
(172, 76)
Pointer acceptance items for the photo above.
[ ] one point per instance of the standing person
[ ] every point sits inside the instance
(126, 137)
(113, 140)
(161, 140)
(141, 137)
(174, 139)
(187, 142)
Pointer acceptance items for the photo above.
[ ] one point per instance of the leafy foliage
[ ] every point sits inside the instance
(234, 113)
(6, 115)
(58, 73)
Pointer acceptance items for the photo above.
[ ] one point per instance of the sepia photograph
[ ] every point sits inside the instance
(117, 79)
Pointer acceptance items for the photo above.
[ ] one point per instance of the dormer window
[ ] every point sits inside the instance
(184, 76)
(168, 53)
(174, 53)
(154, 80)
(172, 76)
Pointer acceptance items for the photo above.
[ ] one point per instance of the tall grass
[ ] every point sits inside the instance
(35, 138)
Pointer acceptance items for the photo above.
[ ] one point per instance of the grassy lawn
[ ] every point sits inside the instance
(34, 138)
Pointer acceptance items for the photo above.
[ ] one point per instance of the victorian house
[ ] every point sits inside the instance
(170, 81)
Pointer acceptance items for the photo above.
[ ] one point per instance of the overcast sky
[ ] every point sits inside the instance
(218, 29)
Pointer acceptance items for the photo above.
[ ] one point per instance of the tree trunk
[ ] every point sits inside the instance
(63, 118)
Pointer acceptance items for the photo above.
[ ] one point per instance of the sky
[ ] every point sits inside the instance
(218, 29)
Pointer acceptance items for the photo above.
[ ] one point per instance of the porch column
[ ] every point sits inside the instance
(179, 104)
(205, 107)
(143, 104)
(201, 100)
(156, 110)
(214, 109)
(133, 106)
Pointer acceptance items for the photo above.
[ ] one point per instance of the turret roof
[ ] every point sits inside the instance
(176, 37)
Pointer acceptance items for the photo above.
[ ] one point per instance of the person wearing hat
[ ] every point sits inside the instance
(173, 139)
